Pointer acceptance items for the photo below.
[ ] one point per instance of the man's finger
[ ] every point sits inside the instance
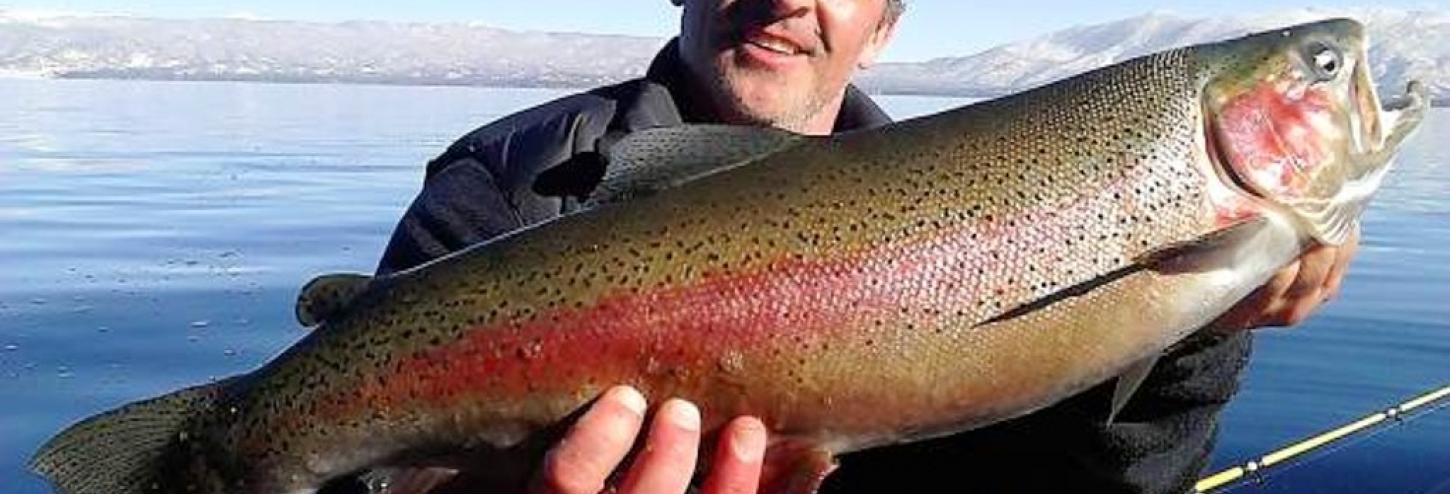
(1314, 268)
(1293, 311)
(1341, 264)
(1305, 293)
(738, 458)
(1264, 301)
(667, 462)
(594, 446)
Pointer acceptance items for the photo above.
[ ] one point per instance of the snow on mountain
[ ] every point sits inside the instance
(61, 44)
(1403, 45)
(239, 48)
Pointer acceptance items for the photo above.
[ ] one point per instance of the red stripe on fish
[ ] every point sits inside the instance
(797, 307)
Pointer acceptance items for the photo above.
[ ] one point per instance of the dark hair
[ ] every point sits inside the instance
(894, 8)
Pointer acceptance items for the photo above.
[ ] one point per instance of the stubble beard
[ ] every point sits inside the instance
(795, 113)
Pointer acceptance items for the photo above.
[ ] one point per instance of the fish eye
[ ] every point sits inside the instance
(1325, 60)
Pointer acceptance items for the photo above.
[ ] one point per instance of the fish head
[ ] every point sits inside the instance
(1293, 119)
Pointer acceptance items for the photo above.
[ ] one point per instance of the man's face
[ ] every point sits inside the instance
(779, 62)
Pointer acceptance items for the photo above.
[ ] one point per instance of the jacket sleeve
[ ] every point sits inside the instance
(483, 185)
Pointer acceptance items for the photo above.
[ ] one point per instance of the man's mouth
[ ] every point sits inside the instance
(774, 43)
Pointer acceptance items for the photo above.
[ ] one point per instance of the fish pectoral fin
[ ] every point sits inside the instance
(651, 160)
(326, 296)
(406, 480)
(1128, 383)
(1217, 250)
(794, 467)
(1220, 249)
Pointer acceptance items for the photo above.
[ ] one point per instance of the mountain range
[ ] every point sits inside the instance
(1406, 44)
(1403, 45)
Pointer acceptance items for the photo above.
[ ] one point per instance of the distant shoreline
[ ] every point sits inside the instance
(491, 84)
(15, 74)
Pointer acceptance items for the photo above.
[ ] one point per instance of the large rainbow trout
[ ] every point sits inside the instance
(882, 286)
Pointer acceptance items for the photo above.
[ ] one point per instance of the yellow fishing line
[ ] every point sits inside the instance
(1230, 475)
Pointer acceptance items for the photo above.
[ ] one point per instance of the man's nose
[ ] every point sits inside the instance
(774, 9)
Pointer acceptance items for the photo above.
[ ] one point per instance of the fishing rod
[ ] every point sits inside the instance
(1254, 468)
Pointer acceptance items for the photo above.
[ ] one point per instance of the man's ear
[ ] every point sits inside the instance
(878, 41)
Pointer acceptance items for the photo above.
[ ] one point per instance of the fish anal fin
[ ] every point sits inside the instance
(326, 296)
(406, 480)
(651, 160)
(793, 467)
(1128, 383)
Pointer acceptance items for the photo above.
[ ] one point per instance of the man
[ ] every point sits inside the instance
(787, 64)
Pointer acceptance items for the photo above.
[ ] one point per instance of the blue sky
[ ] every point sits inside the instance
(931, 28)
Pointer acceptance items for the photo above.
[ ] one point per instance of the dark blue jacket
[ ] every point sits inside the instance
(530, 167)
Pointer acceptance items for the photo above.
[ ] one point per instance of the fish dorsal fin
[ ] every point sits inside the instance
(1128, 383)
(326, 295)
(652, 160)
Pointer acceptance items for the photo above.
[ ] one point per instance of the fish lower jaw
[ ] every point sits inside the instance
(1402, 114)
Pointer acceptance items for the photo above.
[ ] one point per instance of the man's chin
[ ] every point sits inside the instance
(762, 100)
(756, 109)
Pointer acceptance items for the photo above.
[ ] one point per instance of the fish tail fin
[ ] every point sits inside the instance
(123, 451)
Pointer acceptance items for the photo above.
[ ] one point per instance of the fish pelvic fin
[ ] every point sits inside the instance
(326, 296)
(1128, 383)
(794, 467)
(129, 450)
(648, 161)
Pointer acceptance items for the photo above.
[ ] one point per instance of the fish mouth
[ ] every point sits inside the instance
(1377, 129)
(1401, 115)
(1379, 125)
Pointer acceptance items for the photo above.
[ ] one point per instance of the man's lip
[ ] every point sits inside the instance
(775, 41)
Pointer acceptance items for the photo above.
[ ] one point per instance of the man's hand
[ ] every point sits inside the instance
(584, 462)
(1293, 294)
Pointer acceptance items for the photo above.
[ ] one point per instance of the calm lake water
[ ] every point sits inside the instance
(153, 236)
